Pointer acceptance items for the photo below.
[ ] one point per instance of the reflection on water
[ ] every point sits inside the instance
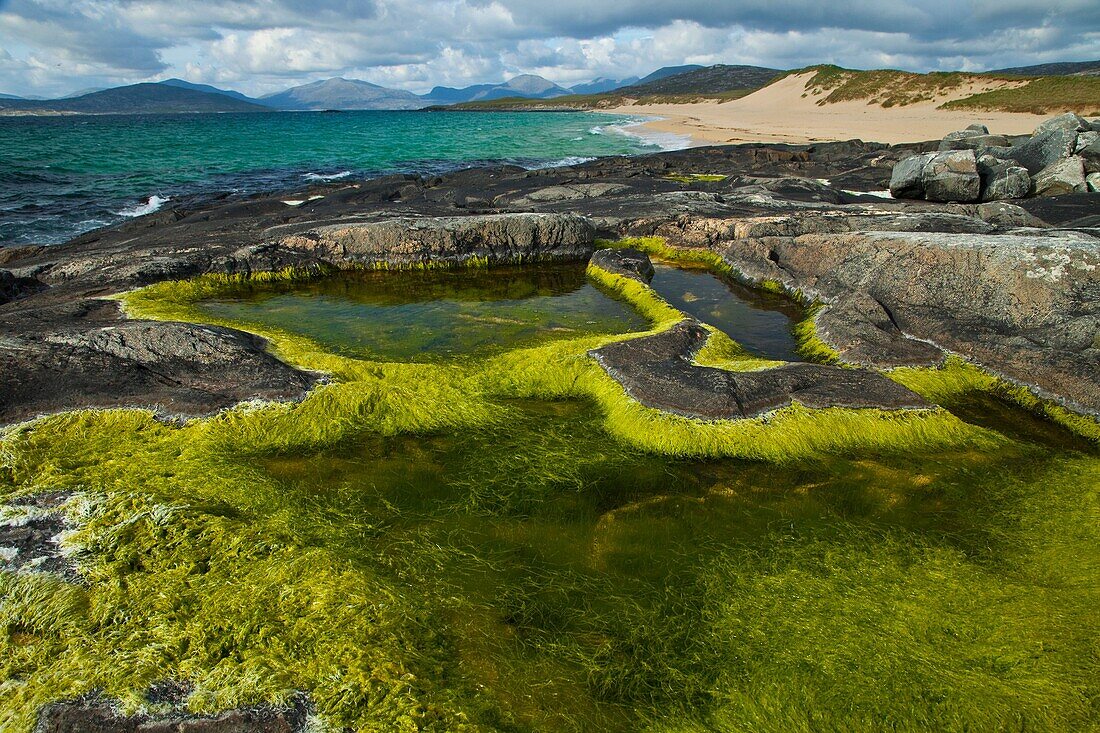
(759, 321)
(429, 315)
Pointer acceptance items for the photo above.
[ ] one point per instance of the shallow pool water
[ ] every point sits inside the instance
(513, 567)
(759, 321)
(584, 584)
(435, 314)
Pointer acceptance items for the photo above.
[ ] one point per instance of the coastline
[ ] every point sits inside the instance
(785, 113)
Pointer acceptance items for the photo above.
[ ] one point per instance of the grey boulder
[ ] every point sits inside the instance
(1043, 149)
(907, 178)
(971, 140)
(1068, 121)
(1002, 179)
(1088, 147)
(952, 176)
(1092, 180)
(1065, 176)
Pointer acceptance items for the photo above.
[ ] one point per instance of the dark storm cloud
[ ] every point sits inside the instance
(261, 44)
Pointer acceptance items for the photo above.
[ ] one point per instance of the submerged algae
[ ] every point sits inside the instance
(432, 546)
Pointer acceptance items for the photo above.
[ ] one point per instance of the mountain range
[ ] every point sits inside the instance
(178, 95)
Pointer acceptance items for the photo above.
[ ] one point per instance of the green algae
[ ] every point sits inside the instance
(512, 544)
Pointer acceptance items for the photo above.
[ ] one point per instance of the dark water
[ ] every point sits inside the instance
(425, 316)
(60, 176)
(759, 321)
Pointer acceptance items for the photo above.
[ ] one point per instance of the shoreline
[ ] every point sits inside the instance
(701, 126)
(786, 112)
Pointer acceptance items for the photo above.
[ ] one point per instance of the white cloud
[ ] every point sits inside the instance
(52, 46)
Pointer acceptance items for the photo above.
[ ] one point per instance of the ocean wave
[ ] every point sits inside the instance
(597, 130)
(326, 176)
(568, 160)
(150, 205)
(651, 138)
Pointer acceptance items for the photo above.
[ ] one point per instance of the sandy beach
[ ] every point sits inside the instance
(784, 112)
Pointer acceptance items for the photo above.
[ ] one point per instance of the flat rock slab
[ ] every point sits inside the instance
(181, 368)
(658, 371)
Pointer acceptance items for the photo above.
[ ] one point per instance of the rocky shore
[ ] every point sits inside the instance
(1013, 287)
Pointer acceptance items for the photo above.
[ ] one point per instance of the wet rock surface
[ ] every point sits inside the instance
(627, 262)
(93, 714)
(30, 530)
(1024, 304)
(658, 371)
(782, 212)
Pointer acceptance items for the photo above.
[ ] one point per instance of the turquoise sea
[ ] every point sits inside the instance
(61, 176)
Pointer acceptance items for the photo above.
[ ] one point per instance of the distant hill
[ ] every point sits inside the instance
(1066, 68)
(705, 80)
(602, 84)
(526, 86)
(9, 96)
(343, 94)
(666, 71)
(78, 93)
(180, 83)
(146, 98)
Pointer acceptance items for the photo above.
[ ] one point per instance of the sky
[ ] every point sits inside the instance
(56, 47)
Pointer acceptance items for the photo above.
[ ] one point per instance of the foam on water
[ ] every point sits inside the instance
(652, 138)
(150, 205)
(326, 176)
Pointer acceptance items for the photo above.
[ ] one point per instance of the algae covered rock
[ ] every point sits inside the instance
(93, 714)
(657, 371)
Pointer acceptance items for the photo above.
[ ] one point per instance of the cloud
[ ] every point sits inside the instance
(50, 46)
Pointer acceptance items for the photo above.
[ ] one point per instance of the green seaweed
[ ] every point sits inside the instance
(513, 544)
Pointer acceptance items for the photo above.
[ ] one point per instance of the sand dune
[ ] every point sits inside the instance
(786, 112)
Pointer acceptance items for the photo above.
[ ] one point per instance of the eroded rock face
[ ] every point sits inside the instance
(497, 238)
(658, 371)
